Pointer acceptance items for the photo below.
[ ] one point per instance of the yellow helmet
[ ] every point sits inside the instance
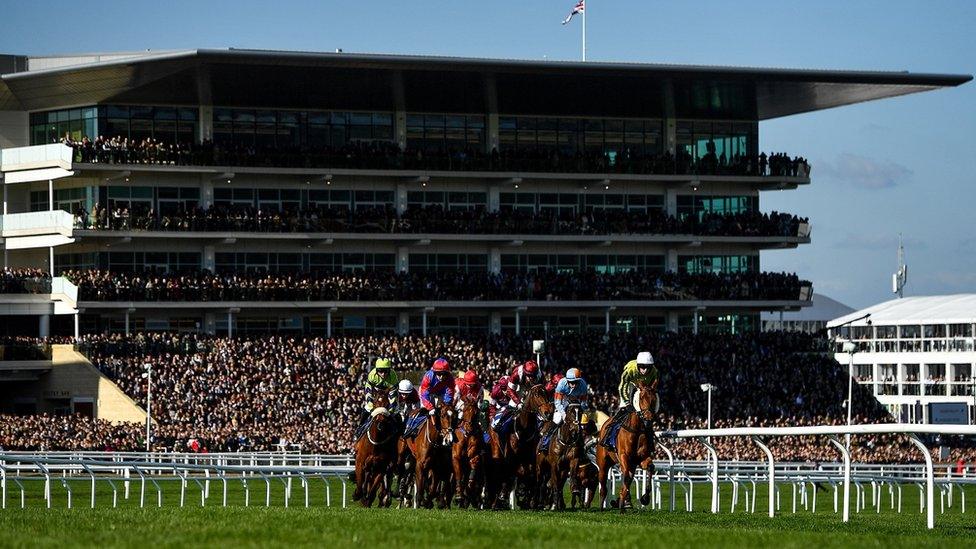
(383, 364)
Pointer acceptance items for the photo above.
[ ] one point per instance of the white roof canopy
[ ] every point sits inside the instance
(937, 309)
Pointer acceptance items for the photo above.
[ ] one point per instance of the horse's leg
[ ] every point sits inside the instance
(420, 481)
(360, 474)
(559, 480)
(626, 476)
(457, 461)
(603, 465)
(376, 480)
(648, 466)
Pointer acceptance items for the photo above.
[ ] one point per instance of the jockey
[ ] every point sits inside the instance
(437, 383)
(570, 390)
(635, 372)
(466, 386)
(407, 398)
(382, 378)
(522, 379)
(551, 386)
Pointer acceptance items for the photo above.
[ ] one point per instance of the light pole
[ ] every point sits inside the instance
(850, 348)
(148, 377)
(707, 388)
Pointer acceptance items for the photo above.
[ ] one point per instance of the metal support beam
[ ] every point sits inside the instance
(670, 455)
(714, 457)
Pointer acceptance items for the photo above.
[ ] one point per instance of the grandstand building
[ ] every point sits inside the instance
(913, 353)
(401, 164)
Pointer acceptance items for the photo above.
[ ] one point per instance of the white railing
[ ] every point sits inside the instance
(62, 286)
(36, 223)
(744, 477)
(37, 156)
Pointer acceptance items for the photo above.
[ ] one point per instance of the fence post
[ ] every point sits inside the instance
(771, 473)
(714, 458)
(846, 454)
(929, 481)
(670, 455)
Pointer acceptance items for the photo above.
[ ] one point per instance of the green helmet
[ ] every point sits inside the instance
(383, 364)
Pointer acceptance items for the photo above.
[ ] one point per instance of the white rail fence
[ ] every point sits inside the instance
(745, 478)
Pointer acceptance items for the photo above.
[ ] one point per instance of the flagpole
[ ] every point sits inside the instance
(584, 34)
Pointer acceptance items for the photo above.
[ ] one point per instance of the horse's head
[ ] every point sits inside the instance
(469, 410)
(443, 419)
(645, 402)
(537, 401)
(381, 399)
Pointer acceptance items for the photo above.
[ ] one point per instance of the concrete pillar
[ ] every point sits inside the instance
(230, 324)
(518, 322)
(126, 322)
(400, 128)
(606, 321)
(695, 321)
(50, 260)
(403, 258)
(670, 135)
(206, 192)
(400, 198)
(494, 260)
(206, 123)
(328, 323)
(495, 322)
(671, 260)
(50, 195)
(44, 326)
(4, 185)
(671, 321)
(403, 323)
(493, 198)
(209, 324)
(76, 325)
(424, 322)
(209, 261)
(492, 141)
(671, 202)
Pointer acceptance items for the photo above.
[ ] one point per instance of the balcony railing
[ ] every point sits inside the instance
(55, 155)
(36, 223)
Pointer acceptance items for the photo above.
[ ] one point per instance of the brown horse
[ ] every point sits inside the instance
(583, 483)
(635, 445)
(431, 450)
(512, 457)
(555, 465)
(466, 454)
(376, 453)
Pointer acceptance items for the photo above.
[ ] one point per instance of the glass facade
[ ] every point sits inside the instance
(261, 262)
(570, 263)
(699, 206)
(286, 129)
(52, 126)
(571, 136)
(718, 264)
(449, 262)
(448, 200)
(167, 124)
(445, 132)
(699, 139)
(573, 203)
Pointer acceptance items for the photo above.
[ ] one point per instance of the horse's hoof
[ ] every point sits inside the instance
(645, 500)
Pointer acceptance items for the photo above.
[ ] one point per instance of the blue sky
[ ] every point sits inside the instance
(902, 165)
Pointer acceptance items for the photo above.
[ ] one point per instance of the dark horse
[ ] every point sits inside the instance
(555, 465)
(467, 454)
(512, 457)
(635, 445)
(431, 451)
(376, 454)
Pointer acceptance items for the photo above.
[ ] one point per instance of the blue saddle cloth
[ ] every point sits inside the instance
(503, 422)
(546, 440)
(363, 427)
(610, 439)
(487, 437)
(413, 424)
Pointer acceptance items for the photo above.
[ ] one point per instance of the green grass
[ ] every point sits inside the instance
(128, 525)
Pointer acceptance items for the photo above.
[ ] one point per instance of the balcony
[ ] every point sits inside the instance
(40, 296)
(22, 231)
(37, 163)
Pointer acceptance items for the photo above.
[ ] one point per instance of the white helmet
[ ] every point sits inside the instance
(645, 359)
(405, 386)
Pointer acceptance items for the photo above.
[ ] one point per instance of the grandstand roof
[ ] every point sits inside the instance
(937, 309)
(254, 78)
(823, 309)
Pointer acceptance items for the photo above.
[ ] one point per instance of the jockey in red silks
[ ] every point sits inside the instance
(551, 386)
(438, 383)
(467, 387)
(522, 379)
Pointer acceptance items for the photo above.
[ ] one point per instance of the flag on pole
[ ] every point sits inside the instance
(580, 7)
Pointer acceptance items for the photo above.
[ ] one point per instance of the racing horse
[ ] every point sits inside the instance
(512, 455)
(376, 454)
(585, 478)
(634, 446)
(431, 452)
(466, 454)
(557, 463)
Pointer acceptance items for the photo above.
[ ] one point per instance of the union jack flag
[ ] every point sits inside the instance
(580, 7)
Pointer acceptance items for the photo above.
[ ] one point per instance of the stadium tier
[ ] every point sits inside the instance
(233, 191)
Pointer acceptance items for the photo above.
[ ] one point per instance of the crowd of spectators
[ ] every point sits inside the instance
(25, 281)
(453, 285)
(378, 154)
(437, 220)
(270, 392)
